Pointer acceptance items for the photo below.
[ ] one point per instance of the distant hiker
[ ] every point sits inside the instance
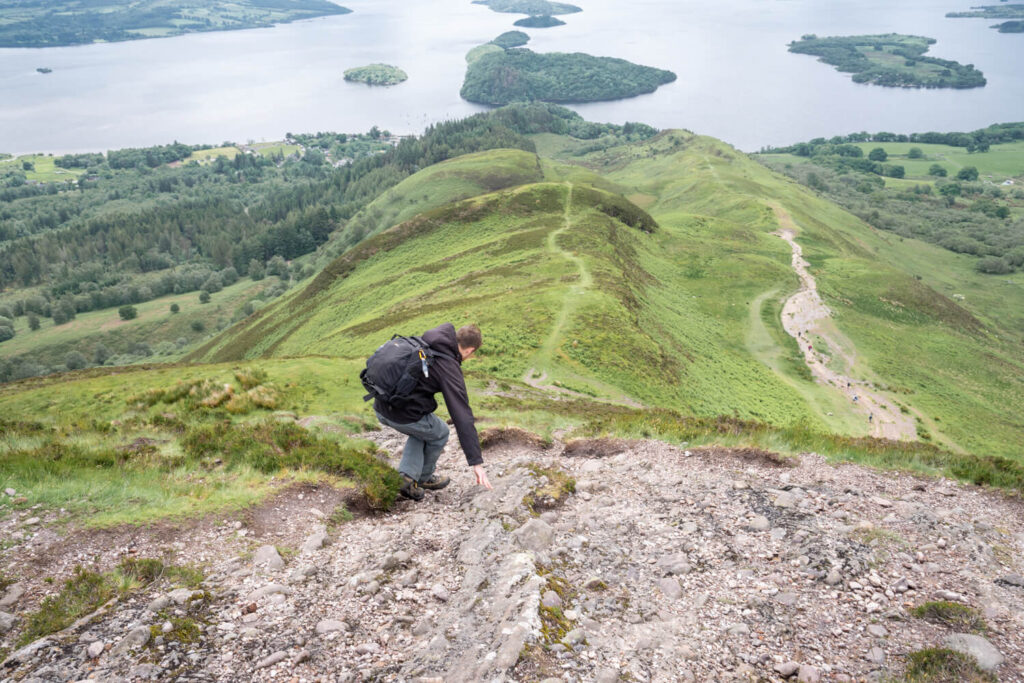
(403, 376)
(855, 398)
(871, 417)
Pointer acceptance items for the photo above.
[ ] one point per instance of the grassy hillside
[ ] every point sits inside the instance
(682, 317)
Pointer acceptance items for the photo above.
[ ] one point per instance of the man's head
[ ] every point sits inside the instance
(469, 340)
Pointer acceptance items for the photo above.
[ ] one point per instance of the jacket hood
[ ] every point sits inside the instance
(442, 338)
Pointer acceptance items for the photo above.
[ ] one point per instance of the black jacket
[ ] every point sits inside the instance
(445, 377)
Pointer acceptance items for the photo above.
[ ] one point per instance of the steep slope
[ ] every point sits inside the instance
(685, 316)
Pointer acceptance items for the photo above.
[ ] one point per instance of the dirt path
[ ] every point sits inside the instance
(806, 318)
(536, 376)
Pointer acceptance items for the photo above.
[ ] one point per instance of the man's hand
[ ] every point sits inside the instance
(481, 476)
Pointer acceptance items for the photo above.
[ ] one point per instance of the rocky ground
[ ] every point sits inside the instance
(662, 565)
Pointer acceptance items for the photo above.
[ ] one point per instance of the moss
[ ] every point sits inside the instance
(84, 592)
(962, 618)
(937, 665)
(183, 629)
(551, 495)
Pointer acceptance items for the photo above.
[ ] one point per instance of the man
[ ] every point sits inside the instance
(415, 417)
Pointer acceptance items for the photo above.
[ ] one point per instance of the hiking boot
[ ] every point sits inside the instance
(434, 482)
(410, 489)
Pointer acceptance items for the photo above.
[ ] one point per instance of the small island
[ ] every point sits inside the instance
(531, 7)
(545, 21)
(376, 74)
(56, 23)
(511, 39)
(891, 60)
(521, 75)
(44, 70)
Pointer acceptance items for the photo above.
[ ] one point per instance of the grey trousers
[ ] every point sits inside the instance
(427, 437)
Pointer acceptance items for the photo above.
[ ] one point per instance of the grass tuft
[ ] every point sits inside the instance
(960, 618)
(939, 665)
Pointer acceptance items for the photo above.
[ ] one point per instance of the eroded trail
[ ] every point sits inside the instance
(806, 318)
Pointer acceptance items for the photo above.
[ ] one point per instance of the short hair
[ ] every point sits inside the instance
(468, 337)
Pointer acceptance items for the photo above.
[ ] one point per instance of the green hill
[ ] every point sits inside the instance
(628, 289)
(682, 317)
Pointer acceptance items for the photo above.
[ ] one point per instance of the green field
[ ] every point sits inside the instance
(275, 148)
(155, 326)
(43, 169)
(206, 156)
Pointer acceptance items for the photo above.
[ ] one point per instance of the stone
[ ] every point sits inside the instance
(315, 541)
(32, 521)
(535, 535)
(877, 630)
(808, 674)
(1015, 580)
(330, 626)
(787, 669)
(267, 555)
(161, 602)
(396, 560)
(180, 595)
(987, 656)
(550, 599)
(95, 649)
(785, 500)
(271, 660)
(876, 656)
(269, 589)
(11, 492)
(574, 637)
(676, 563)
(785, 598)
(595, 583)
(302, 656)
(738, 630)
(13, 594)
(440, 592)
(759, 523)
(145, 672)
(367, 648)
(671, 588)
(7, 622)
(833, 578)
(135, 640)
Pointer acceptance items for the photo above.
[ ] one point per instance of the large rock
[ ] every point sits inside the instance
(330, 626)
(315, 541)
(984, 652)
(268, 557)
(676, 563)
(135, 640)
(13, 594)
(269, 589)
(535, 535)
(7, 622)
(1015, 580)
(671, 588)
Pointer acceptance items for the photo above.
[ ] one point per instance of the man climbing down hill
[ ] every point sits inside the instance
(439, 369)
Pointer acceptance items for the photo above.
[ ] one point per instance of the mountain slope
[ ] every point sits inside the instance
(684, 316)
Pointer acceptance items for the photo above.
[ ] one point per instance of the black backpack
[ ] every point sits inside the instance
(396, 367)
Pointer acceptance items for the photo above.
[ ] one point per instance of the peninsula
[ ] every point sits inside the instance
(891, 60)
(376, 74)
(56, 23)
(521, 75)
